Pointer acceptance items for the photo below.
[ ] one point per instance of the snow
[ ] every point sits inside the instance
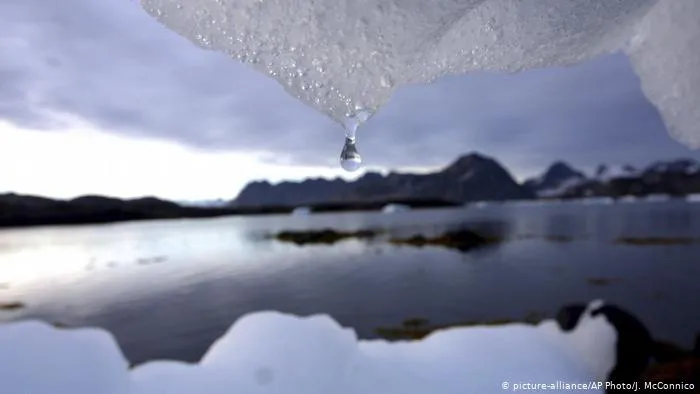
(271, 352)
(467, 176)
(562, 187)
(344, 56)
(394, 208)
(616, 172)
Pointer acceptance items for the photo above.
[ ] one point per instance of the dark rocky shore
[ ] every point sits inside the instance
(22, 210)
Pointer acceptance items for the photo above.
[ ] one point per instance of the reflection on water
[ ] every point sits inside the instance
(169, 288)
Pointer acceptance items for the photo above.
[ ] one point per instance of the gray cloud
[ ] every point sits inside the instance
(111, 64)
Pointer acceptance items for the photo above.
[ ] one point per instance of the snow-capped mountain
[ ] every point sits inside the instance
(555, 180)
(686, 166)
(606, 173)
(674, 177)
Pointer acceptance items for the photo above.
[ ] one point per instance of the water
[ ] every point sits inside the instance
(168, 289)
(350, 159)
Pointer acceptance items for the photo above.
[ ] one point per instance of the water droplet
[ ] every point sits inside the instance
(350, 159)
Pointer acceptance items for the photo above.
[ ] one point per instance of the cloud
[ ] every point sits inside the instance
(112, 65)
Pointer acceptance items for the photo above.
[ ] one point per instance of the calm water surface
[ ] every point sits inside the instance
(168, 289)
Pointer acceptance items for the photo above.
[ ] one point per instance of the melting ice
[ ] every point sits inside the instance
(338, 55)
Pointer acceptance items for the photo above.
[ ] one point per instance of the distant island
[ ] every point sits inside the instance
(471, 178)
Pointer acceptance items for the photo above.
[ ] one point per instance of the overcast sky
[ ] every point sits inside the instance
(97, 97)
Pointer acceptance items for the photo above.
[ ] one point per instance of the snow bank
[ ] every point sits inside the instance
(343, 56)
(269, 352)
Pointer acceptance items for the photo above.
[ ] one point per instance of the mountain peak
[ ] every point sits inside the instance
(467, 162)
(472, 177)
(560, 170)
(557, 176)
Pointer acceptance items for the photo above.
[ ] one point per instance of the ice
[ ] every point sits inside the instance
(301, 211)
(395, 208)
(271, 352)
(38, 358)
(344, 56)
(657, 198)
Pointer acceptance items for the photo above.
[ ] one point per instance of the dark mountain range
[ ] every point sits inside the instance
(675, 178)
(471, 177)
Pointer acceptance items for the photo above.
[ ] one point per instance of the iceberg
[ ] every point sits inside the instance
(271, 352)
(395, 208)
(345, 57)
(301, 211)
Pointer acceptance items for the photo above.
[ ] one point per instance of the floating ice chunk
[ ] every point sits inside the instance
(270, 352)
(301, 211)
(629, 199)
(395, 208)
(345, 56)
